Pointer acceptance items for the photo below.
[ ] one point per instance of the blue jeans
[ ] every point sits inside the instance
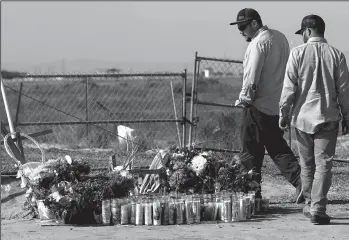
(316, 152)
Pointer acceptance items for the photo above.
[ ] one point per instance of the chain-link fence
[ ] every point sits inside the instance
(216, 86)
(86, 110)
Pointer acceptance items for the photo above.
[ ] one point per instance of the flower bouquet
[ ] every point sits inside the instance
(49, 186)
(92, 192)
(57, 189)
(194, 171)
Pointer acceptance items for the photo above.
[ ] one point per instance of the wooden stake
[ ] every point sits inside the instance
(175, 112)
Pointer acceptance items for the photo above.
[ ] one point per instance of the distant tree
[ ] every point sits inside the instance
(113, 70)
(11, 74)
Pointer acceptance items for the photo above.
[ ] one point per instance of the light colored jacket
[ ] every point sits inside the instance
(264, 70)
(316, 86)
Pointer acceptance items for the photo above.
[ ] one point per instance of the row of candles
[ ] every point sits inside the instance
(181, 208)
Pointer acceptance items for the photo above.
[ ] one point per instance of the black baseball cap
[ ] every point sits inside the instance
(312, 21)
(246, 15)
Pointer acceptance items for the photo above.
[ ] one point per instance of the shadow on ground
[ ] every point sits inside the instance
(338, 201)
(283, 210)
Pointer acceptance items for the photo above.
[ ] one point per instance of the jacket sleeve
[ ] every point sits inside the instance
(253, 65)
(290, 85)
(342, 87)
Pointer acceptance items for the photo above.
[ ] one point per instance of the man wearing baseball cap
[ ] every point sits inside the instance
(316, 87)
(264, 69)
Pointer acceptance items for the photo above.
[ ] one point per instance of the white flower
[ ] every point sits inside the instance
(198, 164)
(29, 170)
(123, 173)
(6, 188)
(65, 185)
(178, 155)
(68, 158)
(217, 186)
(250, 174)
(28, 192)
(168, 172)
(118, 168)
(56, 196)
(37, 172)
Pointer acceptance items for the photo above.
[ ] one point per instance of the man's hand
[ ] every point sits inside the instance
(345, 127)
(284, 122)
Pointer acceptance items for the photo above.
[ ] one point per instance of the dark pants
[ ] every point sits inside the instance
(260, 131)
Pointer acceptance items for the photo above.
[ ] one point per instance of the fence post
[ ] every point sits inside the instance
(290, 135)
(192, 102)
(184, 108)
(19, 102)
(86, 104)
(7, 109)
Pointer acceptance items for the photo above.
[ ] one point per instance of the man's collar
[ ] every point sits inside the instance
(317, 39)
(265, 27)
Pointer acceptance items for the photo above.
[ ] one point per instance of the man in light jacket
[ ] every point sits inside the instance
(264, 70)
(316, 91)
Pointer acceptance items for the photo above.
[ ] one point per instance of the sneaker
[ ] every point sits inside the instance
(321, 220)
(299, 193)
(306, 211)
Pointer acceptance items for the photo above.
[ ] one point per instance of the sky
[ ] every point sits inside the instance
(146, 35)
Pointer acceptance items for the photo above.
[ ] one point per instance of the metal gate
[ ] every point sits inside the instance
(215, 87)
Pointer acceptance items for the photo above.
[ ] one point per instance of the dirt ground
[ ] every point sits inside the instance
(284, 219)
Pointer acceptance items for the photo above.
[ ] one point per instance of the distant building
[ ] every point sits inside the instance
(207, 73)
